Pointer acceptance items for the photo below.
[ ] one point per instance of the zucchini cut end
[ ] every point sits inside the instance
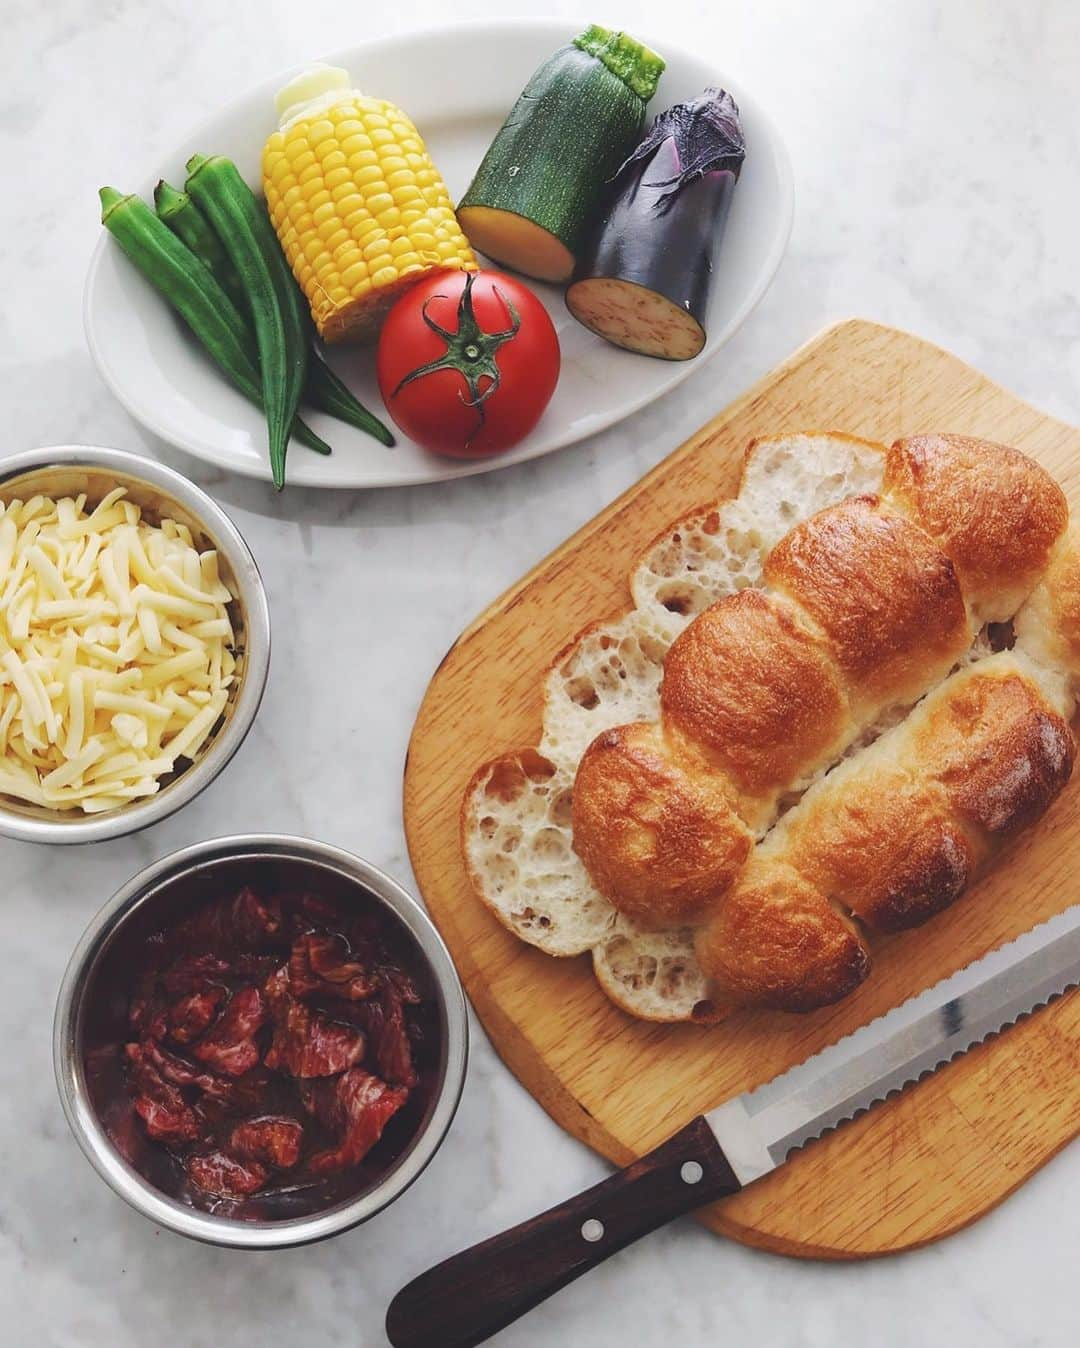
(516, 242)
(636, 318)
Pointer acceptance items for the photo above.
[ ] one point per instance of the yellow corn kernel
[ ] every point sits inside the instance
(346, 203)
(368, 177)
(351, 276)
(324, 211)
(333, 235)
(360, 224)
(320, 131)
(376, 247)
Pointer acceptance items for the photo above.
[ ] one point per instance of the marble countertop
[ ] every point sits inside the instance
(937, 156)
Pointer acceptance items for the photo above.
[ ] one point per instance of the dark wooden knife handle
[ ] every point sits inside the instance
(474, 1294)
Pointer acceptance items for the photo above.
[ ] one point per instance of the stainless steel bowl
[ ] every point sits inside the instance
(71, 469)
(148, 900)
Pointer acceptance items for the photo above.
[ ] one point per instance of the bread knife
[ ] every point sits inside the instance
(474, 1294)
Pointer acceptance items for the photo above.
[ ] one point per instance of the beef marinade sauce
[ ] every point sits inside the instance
(272, 1037)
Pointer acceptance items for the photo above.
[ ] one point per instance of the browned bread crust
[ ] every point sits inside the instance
(883, 592)
(660, 839)
(1001, 754)
(752, 686)
(878, 839)
(992, 509)
(777, 941)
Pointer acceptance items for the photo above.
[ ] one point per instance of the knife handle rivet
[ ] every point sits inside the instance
(592, 1230)
(691, 1172)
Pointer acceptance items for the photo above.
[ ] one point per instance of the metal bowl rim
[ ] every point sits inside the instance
(252, 598)
(123, 1179)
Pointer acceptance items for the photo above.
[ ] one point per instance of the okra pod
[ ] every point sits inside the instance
(188, 223)
(242, 225)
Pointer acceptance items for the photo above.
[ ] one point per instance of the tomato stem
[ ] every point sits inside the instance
(470, 350)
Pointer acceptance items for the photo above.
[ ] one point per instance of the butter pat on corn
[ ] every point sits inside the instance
(359, 208)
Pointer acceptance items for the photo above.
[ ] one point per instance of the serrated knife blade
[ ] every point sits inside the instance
(759, 1129)
(471, 1295)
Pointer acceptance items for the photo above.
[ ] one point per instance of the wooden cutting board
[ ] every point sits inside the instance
(917, 1167)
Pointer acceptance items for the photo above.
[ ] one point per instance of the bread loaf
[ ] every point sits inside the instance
(862, 610)
(794, 632)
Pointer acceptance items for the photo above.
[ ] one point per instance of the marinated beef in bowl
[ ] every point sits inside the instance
(263, 1040)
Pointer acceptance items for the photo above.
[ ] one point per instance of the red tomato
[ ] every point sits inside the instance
(467, 362)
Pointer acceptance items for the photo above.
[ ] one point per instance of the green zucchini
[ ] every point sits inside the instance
(545, 177)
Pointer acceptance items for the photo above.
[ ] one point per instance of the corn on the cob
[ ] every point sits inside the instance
(360, 210)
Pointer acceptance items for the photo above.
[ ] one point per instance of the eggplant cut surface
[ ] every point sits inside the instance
(636, 317)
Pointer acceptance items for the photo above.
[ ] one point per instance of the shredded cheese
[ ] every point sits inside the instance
(116, 651)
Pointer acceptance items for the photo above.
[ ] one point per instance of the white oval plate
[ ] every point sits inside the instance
(457, 84)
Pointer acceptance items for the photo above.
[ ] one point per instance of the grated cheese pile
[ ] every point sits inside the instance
(115, 651)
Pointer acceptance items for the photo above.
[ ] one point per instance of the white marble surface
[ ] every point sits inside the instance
(937, 155)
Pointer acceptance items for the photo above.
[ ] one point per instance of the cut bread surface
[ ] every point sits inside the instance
(609, 676)
(654, 975)
(717, 550)
(515, 831)
(788, 478)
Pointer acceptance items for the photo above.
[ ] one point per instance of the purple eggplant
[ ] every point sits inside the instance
(644, 281)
